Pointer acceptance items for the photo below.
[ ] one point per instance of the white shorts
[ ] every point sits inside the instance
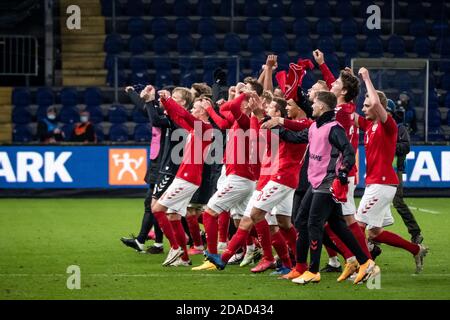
(374, 208)
(177, 196)
(222, 178)
(349, 207)
(270, 216)
(237, 212)
(234, 193)
(275, 195)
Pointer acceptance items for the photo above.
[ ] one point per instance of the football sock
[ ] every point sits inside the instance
(395, 240)
(338, 242)
(291, 238)
(331, 253)
(236, 242)
(224, 224)
(279, 243)
(301, 267)
(186, 230)
(181, 237)
(194, 230)
(166, 227)
(263, 230)
(211, 229)
(360, 237)
(334, 262)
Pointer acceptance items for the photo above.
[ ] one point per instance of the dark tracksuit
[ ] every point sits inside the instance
(318, 206)
(402, 149)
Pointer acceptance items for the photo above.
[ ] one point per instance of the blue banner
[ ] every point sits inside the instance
(73, 167)
(426, 167)
(38, 167)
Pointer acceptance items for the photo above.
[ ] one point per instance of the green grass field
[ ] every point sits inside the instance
(40, 238)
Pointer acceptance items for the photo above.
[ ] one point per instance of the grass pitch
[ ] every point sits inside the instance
(40, 238)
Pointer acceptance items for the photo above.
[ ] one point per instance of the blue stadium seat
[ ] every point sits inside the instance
(208, 44)
(255, 44)
(422, 46)
(22, 134)
(436, 134)
(141, 77)
(95, 114)
(67, 130)
(69, 97)
(69, 114)
(137, 45)
(183, 26)
(349, 45)
(402, 81)
(254, 26)
(188, 77)
(252, 9)
(41, 112)
(187, 64)
(93, 96)
(21, 116)
(283, 61)
(415, 11)
(440, 28)
(448, 119)
(118, 133)
(163, 78)
(117, 114)
(161, 45)
(447, 101)
(107, 8)
(205, 8)
(303, 46)
(276, 27)
(232, 74)
(322, 9)
(159, 8)
(162, 63)
(438, 10)
(232, 44)
(434, 118)
(185, 44)
(206, 27)
(325, 27)
(225, 8)
(137, 63)
(21, 97)
(326, 44)
(113, 43)
(275, 8)
(134, 8)
(256, 62)
(344, 9)
(279, 45)
(445, 81)
(159, 27)
(418, 28)
(122, 78)
(301, 27)
(298, 9)
(442, 46)
(142, 133)
(138, 116)
(374, 46)
(45, 97)
(396, 46)
(99, 133)
(333, 63)
(136, 26)
(349, 27)
(109, 62)
(308, 81)
(181, 8)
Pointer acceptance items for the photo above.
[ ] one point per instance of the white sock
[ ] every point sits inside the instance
(199, 247)
(334, 262)
(158, 245)
(351, 259)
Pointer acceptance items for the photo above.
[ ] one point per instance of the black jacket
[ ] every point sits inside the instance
(337, 138)
(403, 146)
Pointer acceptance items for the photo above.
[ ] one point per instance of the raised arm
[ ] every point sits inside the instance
(373, 95)
(221, 122)
(326, 73)
(234, 106)
(176, 112)
(134, 97)
(271, 64)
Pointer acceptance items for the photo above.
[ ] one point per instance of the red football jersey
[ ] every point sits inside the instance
(346, 118)
(289, 159)
(195, 150)
(380, 141)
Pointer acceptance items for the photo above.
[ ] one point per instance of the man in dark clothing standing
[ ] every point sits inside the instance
(402, 149)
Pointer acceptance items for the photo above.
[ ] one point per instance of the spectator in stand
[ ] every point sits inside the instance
(48, 130)
(410, 121)
(84, 130)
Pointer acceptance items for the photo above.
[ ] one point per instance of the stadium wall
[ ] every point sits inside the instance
(35, 171)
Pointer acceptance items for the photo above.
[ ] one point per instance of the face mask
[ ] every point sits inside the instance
(51, 116)
(84, 119)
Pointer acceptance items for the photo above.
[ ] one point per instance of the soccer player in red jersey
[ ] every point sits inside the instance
(381, 180)
(188, 179)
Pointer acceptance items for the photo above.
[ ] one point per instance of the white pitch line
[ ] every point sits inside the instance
(425, 210)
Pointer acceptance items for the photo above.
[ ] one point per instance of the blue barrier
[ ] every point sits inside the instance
(38, 167)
